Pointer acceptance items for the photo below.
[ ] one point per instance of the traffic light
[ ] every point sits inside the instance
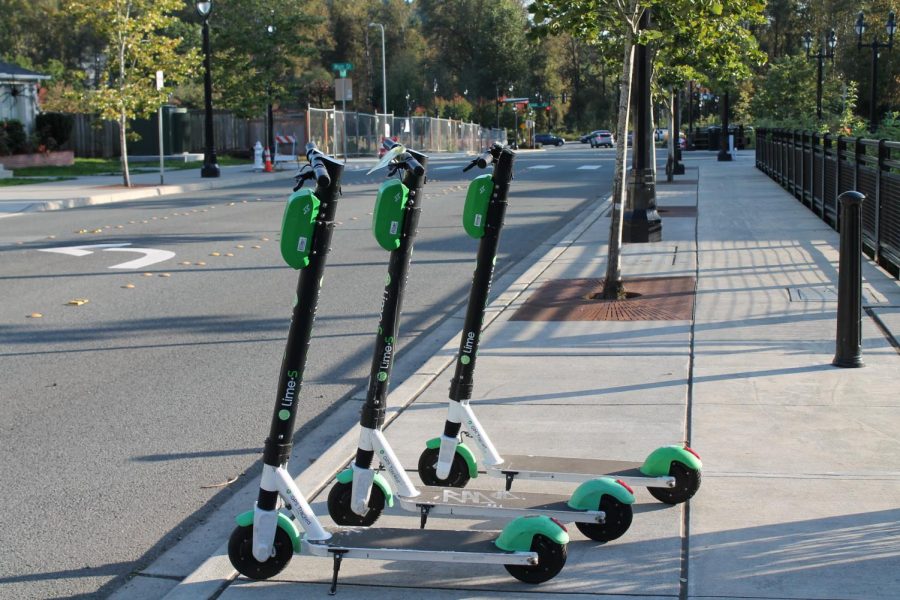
(547, 109)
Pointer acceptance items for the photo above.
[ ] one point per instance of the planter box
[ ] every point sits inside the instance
(64, 158)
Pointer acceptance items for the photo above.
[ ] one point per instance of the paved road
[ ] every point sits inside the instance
(124, 419)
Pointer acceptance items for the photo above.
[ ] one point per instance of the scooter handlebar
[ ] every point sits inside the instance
(315, 156)
(413, 165)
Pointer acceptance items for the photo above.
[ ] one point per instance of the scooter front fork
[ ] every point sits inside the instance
(373, 440)
(461, 414)
(265, 522)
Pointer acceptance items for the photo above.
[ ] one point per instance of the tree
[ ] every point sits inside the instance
(718, 40)
(136, 47)
(259, 53)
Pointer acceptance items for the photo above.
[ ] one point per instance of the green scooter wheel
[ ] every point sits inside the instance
(339, 506)
(687, 482)
(240, 552)
(551, 560)
(618, 520)
(459, 470)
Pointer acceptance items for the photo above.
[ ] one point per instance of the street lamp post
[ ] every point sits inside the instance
(270, 116)
(641, 223)
(383, 73)
(724, 147)
(831, 42)
(210, 164)
(875, 45)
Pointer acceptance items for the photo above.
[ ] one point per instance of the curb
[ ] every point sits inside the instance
(334, 441)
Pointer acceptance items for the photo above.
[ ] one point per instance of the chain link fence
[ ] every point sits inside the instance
(364, 133)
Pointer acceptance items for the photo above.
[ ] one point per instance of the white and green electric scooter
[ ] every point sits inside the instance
(532, 550)
(670, 473)
(600, 507)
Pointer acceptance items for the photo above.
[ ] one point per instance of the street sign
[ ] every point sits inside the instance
(343, 89)
(159, 80)
(515, 100)
(342, 66)
(538, 104)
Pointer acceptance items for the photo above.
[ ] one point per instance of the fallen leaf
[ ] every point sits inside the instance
(35, 316)
(78, 301)
(219, 485)
(128, 286)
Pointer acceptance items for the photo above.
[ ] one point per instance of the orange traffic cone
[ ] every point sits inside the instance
(268, 161)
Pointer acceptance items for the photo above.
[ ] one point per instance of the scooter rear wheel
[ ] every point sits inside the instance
(618, 520)
(240, 552)
(687, 482)
(551, 560)
(459, 470)
(339, 506)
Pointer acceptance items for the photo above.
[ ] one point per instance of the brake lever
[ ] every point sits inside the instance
(472, 165)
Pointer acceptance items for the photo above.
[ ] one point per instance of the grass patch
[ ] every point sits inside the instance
(112, 166)
(10, 181)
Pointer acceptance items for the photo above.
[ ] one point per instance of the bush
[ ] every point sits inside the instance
(15, 139)
(53, 129)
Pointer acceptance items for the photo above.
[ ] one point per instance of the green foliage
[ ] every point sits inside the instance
(257, 52)
(136, 47)
(54, 129)
(455, 108)
(13, 139)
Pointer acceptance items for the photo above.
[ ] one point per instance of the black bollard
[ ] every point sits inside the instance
(848, 352)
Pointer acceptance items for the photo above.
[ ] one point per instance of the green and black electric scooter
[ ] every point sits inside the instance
(670, 473)
(532, 550)
(600, 507)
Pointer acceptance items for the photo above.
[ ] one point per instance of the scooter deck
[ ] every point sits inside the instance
(392, 543)
(527, 466)
(500, 503)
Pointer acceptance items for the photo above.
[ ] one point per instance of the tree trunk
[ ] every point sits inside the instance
(670, 160)
(123, 122)
(612, 285)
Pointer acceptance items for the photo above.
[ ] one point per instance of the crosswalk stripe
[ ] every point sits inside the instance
(588, 168)
(541, 167)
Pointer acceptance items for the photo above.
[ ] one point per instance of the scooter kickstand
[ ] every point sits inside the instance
(510, 475)
(338, 556)
(424, 509)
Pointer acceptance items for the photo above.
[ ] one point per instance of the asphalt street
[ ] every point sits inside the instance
(141, 394)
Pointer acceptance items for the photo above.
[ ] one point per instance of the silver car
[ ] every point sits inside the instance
(602, 138)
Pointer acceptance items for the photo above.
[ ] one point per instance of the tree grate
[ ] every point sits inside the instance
(649, 299)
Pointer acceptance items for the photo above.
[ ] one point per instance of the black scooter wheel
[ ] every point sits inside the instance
(339, 506)
(618, 520)
(459, 470)
(687, 482)
(240, 552)
(551, 560)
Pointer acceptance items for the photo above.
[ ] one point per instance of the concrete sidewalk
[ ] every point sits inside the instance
(800, 479)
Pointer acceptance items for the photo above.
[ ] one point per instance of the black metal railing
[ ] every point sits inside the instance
(817, 168)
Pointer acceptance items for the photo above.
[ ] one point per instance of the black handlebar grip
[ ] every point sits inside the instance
(485, 159)
(314, 156)
(414, 166)
(389, 144)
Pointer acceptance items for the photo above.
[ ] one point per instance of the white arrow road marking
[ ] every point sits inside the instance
(82, 250)
(151, 255)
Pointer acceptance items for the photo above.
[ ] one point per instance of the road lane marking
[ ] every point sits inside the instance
(151, 255)
(588, 168)
(541, 167)
(447, 167)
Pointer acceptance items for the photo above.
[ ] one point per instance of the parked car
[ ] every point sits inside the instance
(588, 136)
(602, 138)
(548, 139)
